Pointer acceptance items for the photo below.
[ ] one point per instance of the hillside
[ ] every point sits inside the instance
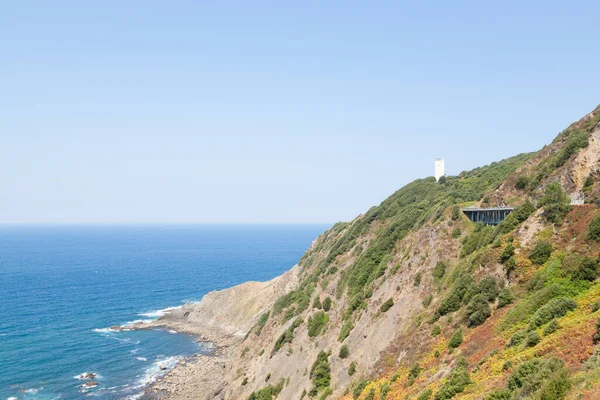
(412, 300)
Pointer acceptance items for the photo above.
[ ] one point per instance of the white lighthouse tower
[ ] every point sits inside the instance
(439, 169)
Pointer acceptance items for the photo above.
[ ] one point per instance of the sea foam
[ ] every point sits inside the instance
(157, 313)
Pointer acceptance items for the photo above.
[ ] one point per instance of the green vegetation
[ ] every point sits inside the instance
(456, 339)
(327, 304)
(427, 300)
(576, 140)
(316, 323)
(352, 368)
(522, 182)
(436, 330)
(532, 339)
(287, 336)
(260, 324)
(478, 310)
(594, 229)
(596, 337)
(552, 327)
(456, 383)
(456, 232)
(358, 389)
(347, 327)
(317, 303)
(594, 361)
(417, 280)
(387, 305)
(439, 270)
(505, 298)
(541, 252)
(413, 373)
(320, 374)
(528, 306)
(539, 379)
(268, 392)
(344, 352)
(555, 202)
(425, 394)
(554, 308)
(455, 215)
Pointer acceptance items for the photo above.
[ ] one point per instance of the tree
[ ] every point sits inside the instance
(456, 339)
(555, 202)
(541, 252)
(594, 229)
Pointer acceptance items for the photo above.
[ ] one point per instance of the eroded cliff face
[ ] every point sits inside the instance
(379, 299)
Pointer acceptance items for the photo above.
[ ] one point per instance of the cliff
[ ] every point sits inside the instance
(412, 300)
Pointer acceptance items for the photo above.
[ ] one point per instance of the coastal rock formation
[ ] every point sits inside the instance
(412, 300)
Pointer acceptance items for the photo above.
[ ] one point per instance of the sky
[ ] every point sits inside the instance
(273, 112)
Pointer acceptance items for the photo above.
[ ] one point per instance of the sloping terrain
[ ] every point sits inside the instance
(412, 300)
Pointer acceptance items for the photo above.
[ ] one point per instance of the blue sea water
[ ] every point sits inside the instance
(61, 287)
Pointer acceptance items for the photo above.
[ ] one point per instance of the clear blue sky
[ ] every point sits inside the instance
(312, 111)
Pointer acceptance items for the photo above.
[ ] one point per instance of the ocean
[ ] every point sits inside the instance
(63, 287)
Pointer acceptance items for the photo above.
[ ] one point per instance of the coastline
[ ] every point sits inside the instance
(221, 318)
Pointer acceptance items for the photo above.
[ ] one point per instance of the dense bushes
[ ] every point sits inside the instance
(320, 374)
(345, 330)
(456, 339)
(594, 229)
(541, 252)
(522, 182)
(327, 304)
(555, 202)
(456, 383)
(439, 270)
(287, 336)
(555, 308)
(594, 361)
(344, 352)
(505, 298)
(528, 306)
(268, 392)
(413, 373)
(576, 140)
(316, 323)
(478, 310)
(461, 289)
(387, 305)
(539, 379)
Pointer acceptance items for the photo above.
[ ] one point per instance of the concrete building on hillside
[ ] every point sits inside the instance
(439, 169)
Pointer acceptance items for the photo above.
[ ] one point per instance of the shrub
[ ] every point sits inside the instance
(439, 270)
(344, 352)
(555, 202)
(245, 381)
(505, 298)
(425, 394)
(317, 303)
(456, 339)
(488, 287)
(552, 327)
(460, 292)
(359, 389)
(540, 379)
(589, 181)
(387, 305)
(287, 336)
(478, 310)
(352, 368)
(260, 324)
(320, 373)
(455, 213)
(417, 281)
(596, 306)
(555, 308)
(575, 140)
(316, 323)
(541, 252)
(436, 330)
(384, 391)
(528, 306)
(427, 300)
(456, 383)
(345, 330)
(413, 373)
(587, 270)
(371, 394)
(532, 339)
(327, 303)
(517, 338)
(594, 361)
(456, 232)
(596, 337)
(502, 394)
(594, 229)
(507, 253)
(522, 182)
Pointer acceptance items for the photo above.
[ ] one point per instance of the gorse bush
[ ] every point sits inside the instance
(344, 352)
(316, 323)
(527, 307)
(456, 339)
(320, 374)
(555, 308)
(552, 327)
(439, 270)
(532, 339)
(505, 298)
(478, 310)
(555, 202)
(456, 383)
(539, 379)
(436, 330)
(287, 336)
(425, 394)
(327, 304)
(413, 373)
(387, 305)
(541, 252)
(594, 229)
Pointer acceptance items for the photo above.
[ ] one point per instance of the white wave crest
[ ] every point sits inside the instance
(141, 358)
(104, 330)
(88, 375)
(138, 321)
(157, 313)
(158, 369)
